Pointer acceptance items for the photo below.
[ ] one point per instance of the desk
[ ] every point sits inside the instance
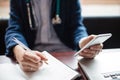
(69, 59)
(65, 57)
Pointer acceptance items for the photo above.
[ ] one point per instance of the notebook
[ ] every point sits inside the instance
(105, 66)
(55, 70)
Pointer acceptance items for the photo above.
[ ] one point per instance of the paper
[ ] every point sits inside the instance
(55, 70)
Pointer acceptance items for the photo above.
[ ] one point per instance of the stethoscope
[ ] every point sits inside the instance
(55, 20)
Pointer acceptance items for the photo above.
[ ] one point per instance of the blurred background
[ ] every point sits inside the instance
(4, 8)
(100, 16)
(100, 7)
(90, 8)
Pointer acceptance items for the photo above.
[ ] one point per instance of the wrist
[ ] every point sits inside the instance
(18, 52)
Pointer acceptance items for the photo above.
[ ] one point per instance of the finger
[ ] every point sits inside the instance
(97, 47)
(89, 38)
(43, 57)
(97, 52)
(87, 53)
(30, 63)
(29, 69)
(32, 57)
(85, 40)
(90, 51)
(94, 52)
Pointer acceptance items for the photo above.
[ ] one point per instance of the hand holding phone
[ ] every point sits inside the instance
(101, 38)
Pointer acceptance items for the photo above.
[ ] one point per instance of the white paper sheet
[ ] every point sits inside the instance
(55, 70)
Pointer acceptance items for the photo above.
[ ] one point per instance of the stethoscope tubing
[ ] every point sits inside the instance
(56, 20)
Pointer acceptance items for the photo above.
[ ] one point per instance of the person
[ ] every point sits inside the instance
(50, 25)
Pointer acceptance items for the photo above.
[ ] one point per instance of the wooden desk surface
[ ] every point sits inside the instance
(69, 59)
(65, 57)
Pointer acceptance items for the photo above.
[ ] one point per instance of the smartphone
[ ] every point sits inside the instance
(101, 38)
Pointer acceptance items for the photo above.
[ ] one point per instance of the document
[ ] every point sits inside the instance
(55, 70)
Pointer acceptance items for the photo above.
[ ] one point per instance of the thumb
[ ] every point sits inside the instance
(86, 40)
(43, 57)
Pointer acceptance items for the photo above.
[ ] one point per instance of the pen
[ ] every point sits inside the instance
(78, 52)
(22, 45)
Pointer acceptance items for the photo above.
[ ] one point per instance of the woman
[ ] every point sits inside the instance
(51, 25)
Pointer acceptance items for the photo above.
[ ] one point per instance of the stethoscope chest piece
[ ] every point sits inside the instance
(56, 20)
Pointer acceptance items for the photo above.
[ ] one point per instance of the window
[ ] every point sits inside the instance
(4, 9)
(100, 2)
(90, 8)
(104, 8)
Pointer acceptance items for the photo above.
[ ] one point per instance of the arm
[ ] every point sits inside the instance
(76, 22)
(14, 27)
(26, 60)
(80, 34)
